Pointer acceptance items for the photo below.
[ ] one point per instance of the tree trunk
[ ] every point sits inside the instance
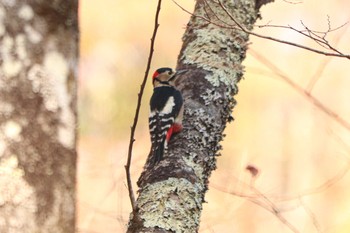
(38, 62)
(171, 194)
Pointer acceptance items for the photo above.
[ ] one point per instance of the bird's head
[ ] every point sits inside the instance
(165, 76)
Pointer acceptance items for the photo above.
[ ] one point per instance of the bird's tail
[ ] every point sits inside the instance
(158, 151)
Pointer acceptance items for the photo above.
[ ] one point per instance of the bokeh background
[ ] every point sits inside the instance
(302, 154)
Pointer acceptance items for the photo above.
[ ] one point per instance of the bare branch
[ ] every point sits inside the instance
(206, 19)
(321, 188)
(337, 54)
(240, 27)
(260, 199)
(303, 92)
(322, 66)
(268, 205)
(320, 106)
(290, 2)
(311, 214)
(317, 36)
(133, 127)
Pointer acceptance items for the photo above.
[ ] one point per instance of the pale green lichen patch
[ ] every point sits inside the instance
(33, 35)
(12, 130)
(208, 130)
(14, 55)
(25, 12)
(21, 50)
(2, 147)
(17, 193)
(220, 49)
(198, 169)
(9, 166)
(11, 66)
(2, 25)
(57, 68)
(212, 52)
(56, 65)
(9, 3)
(6, 109)
(50, 79)
(211, 96)
(167, 205)
(43, 83)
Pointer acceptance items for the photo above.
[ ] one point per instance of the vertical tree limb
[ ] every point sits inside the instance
(171, 194)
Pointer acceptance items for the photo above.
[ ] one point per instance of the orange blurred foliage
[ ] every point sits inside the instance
(301, 153)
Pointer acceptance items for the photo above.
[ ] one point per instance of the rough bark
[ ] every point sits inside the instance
(38, 62)
(171, 194)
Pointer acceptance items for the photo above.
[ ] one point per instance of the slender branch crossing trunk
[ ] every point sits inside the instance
(171, 194)
(38, 62)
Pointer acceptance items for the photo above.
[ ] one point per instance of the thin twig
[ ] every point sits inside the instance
(320, 106)
(133, 127)
(268, 205)
(238, 26)
(322, 187)
(321, 68)
(302, 91)
(311, 215)
(260, 199)
(290, 2)
(228, 26)
(337, 54)
(269, 25)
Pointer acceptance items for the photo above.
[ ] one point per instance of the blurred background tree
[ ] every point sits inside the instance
(38, 64)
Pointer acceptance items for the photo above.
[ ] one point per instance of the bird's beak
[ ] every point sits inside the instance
(177, 73)
(180, 72)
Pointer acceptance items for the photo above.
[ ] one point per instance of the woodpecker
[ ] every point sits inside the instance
(166, 111)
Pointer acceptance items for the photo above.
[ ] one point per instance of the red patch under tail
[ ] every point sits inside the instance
(177, 128)
(169, 133)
